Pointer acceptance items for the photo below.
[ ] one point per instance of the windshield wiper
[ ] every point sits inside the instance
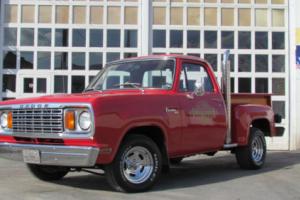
(134, 85)
(91, 89)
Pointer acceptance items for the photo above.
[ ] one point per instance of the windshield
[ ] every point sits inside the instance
(135, 74)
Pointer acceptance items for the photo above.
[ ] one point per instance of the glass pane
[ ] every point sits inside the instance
(193, 39)
(11, 13)
(261, 85)
(261, 1)
(112, 57)
(227, 39)
(61, 60)
(245, 85)
(279, 108)
(244, 63)
(61, 37)
(43, 60)
(278, 17)
(130, 55)
(44, 37)
(261, 17)
(130, 38)
(261, 40)
(79, 37)
(278, 63)
(261, 63)
(227, 1)
(9, 83)
(159, 15)
(131, 15)
(278, 85)
(278, 40)
(227, 17)
(27, 36)
(27, 14)
(176, 39)
(210, 1)
(79, 14)
(213, 60)
(232, 85)
(278, 1)
(62, 14)
(10, 36)
(9, 60)
(193, 16)
(176, 16)
(28, 85)
(45, 14)
(244, 1)
(26, 60)
(60, 84)
(159, 38)
(244, 17)
(113, 15)
(78, 84)
(244, 40)
(210, 16)
(41, 85)
(95, 61)
(96, 15)
(210, 39)
(113, 38)
(78, 60)
(96, 38)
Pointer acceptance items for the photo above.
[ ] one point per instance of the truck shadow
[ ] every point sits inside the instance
(195, 172)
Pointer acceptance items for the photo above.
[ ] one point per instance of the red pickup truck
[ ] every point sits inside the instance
(137, 117)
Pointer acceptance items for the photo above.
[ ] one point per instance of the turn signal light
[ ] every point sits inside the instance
(70, 120)
(9, 120)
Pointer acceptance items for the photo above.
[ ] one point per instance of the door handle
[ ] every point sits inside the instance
(171, 110)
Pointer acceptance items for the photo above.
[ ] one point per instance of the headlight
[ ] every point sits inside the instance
(85, 120)
(4, 120)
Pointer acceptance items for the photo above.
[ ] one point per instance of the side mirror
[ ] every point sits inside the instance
(199, 88)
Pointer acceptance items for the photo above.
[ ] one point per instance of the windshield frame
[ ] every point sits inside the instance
(108, 65)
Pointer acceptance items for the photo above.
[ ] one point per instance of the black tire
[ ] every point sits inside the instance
(176, 161)
(123, 181)
(253, 155)
(48, 173)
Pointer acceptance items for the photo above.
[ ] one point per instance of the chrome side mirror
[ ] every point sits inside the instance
(199, 88)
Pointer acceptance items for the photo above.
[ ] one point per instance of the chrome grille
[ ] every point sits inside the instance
(47, 120)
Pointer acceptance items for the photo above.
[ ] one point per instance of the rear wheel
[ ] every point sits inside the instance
(48, 173)
(137, 165)
(253, 155)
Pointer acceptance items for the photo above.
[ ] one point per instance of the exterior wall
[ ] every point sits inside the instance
(297, 84)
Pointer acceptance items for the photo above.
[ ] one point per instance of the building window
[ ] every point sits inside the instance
(130, 39)
(9, 60)
(113, 38)
(176, 16)
(27, 37)
(278, 63)
(41, 85)
(28, 85)
(26, 60)
(60, 84)
(44, 37)
(244, 40)
(210, 16)
(96, 38)
(61, 37)
(130, 55)
(193, 16)
(78, 84)
(131, 15)
(261, 63)
(261, 17)
(278, 85)
(213, 60)
(10, 36)
(45, 14)
(245, 63)
(244, 17)
(79, 37)
(227, 39)
(43, 60)
(9, 83)
(113, 15)
(61, 60)
(279, 108)
(95, 61)
(78, 60)
(210, 39)
(193, 39)
(96, 15)
(278, 17)
(278, 40)
(62, 15)
(79, 14)
(244, 85)
(176, 39)
(227, 16)
(112, 56)
(261, 40)
(261, 85)
(159, 15)
(11, 13)
(159, 38)
(27, 14)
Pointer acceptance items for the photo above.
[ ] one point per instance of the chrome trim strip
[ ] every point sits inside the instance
(64, 135)
(71, 156)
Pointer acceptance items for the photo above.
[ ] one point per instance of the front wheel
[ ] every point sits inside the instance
(137, 165)
(253, 155)
(48, 173)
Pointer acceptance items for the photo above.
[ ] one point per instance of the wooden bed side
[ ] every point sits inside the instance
(241, 98)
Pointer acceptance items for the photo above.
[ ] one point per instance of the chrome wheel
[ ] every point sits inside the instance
(257, 149)
(137, 164)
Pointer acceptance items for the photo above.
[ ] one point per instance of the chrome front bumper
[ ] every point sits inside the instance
(71, 156)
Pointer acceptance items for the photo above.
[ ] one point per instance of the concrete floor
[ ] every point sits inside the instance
(199, 177)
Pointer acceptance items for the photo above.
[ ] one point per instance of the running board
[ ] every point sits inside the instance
(229, 146)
